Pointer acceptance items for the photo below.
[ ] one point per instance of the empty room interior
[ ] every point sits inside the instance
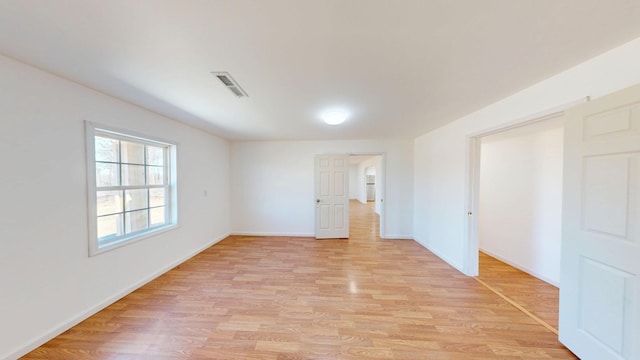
(341, 179)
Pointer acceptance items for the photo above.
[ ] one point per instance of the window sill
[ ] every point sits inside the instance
(133, 239)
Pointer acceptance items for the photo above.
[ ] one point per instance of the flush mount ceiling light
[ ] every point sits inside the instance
(334, 116)
(230, 83)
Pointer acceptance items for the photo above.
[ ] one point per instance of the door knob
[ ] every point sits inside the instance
(317, 200)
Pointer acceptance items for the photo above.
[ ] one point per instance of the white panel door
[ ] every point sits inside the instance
(332, 196)
(599, 286)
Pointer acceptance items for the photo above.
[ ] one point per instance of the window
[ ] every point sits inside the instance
(131, 187)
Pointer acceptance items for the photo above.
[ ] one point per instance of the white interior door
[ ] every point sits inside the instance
(332, 196)
(599, 290)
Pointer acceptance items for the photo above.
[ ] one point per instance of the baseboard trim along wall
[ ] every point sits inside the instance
(249, 233)
(442, 257)
(102, 305)
(258, 233)
(521, 268)
(397, 237)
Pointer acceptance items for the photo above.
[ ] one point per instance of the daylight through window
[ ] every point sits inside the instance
(132, 187)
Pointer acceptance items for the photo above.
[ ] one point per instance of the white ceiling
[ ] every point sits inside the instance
(401, 67)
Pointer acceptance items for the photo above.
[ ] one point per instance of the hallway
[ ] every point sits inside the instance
(364, 223)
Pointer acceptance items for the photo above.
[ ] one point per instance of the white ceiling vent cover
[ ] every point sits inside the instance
(230, 83)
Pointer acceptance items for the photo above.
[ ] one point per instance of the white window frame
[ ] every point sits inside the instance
(171, 210)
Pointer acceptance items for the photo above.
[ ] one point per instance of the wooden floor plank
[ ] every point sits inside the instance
(534, 295)
(299, 298)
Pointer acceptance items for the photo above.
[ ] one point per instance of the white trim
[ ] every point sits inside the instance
(313, 235)
(530, 119)
(259, 233)
(397, 237)
(472, 164)
(440, 255)
(23, 350)
(92, 212)
(522, 268)
(132, 134)
(135, 237)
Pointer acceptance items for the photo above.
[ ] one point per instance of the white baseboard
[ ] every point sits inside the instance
(23, 350)
(451, 263)
(522, 268)
(396, 237)
(259, 233)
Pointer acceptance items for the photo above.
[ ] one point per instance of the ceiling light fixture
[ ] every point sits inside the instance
(334, 116)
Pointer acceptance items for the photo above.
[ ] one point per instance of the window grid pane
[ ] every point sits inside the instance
(120, 210)
(157, 197)
(109, 202)
(136, 199)
(136, 220)
(107, 150)
(133, 174)
(107, 174)
(132, 153)
(155, 155)
(110, 226)
(155, 175)
(157, 216)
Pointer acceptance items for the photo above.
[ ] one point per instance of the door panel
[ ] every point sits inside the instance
(606, 189)
(324, 216)
(339, 217)
(339, 184)
(599, 295)
(606, 326)
(613, 123)
(332, 200)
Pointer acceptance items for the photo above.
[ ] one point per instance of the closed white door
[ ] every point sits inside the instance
(599, 286)
(332, 196)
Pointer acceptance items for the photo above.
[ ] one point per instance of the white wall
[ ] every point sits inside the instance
(47, 280)
(520, 208)
(440, 156)
(353, 181)
(272, 184)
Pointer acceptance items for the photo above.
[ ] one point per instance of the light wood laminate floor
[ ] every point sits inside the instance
(536, 296)
(300, 298)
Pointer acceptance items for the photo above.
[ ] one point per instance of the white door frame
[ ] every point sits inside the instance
(472, 178)
(380, 176)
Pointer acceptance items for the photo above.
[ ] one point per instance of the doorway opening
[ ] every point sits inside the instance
(370, 183)
(519, 215)
(521, 212)
(366, 190)
(472, 188)
(520, 197)
(364, 221)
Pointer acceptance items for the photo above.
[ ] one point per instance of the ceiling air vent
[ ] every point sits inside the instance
(229, 83)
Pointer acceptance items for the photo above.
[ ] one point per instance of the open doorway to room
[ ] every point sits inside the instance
(370, 183)
(519, 215)
(515, 192)
(366, 179)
